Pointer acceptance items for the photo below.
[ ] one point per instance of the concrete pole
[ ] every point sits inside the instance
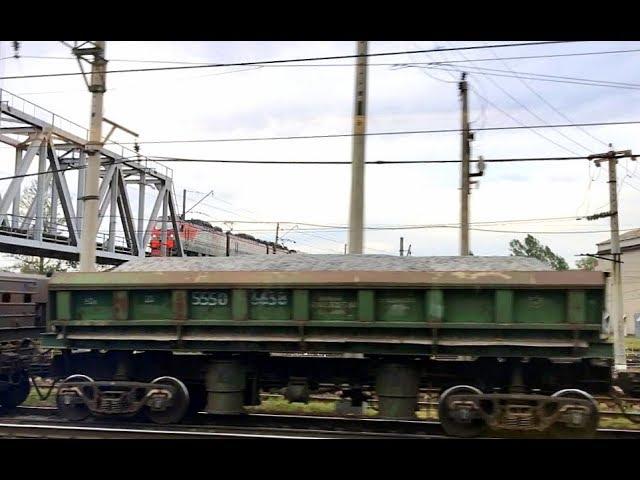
(616, 293)
(356, 213)
(464, 173)
(82, 162)
(184, 204)
(97, 87)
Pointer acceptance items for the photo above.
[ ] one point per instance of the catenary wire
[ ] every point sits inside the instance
(269, 62)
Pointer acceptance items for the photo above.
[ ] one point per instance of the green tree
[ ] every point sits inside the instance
(533, 248)
(40, 265)
(587, 263)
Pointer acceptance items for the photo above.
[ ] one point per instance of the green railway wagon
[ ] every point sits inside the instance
(510, 343)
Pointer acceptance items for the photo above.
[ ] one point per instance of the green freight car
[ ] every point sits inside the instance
(510, 343)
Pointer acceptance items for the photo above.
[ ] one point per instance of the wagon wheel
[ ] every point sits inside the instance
(17, 393)
(73, 411)
(563, 431)
(473, 428)
(179, 406)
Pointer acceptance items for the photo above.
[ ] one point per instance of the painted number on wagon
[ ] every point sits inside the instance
(269, 297)
(210, 298)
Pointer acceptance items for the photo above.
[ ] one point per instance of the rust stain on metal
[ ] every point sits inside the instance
(481, 275)
(180, 305)
(121, 304)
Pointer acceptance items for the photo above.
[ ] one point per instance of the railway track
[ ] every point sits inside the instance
(40, 422)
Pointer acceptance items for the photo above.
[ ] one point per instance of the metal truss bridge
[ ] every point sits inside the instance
(32, 226)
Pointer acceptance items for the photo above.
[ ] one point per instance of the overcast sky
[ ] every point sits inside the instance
(296, 100)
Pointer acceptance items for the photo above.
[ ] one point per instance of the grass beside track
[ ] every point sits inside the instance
(33, 400)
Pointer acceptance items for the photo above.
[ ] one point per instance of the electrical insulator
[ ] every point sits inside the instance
(481, 164)
(16, 49)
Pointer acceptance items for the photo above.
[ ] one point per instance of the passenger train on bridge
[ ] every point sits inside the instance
(201, 239)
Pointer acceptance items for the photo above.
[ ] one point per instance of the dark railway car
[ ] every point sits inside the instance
(23, 309)
(510, 343)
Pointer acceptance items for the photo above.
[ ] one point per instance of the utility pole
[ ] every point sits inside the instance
(356, 213)
(464, 186)
(97, 86)
(275, 244)
(465, 172)
(184, 204)
(401, 246)
(616, 314)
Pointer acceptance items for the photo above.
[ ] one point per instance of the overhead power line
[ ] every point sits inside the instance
(438, 227)
(373, 134)
(560, 77)
(546, 78)
(551, 55)
(296, 162)
(531, 112)
(523, 57)
(505, 113)
(370, 162)
(548, 103)
(321, 225)
(291, 60)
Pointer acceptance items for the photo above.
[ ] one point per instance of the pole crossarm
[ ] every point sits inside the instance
(600, 257)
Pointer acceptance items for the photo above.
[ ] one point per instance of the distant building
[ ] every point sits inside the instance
(630, 248)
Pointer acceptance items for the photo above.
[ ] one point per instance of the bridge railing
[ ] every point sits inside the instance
(25, 106)
(59, 235)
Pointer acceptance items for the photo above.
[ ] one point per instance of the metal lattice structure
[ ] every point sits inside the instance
(60, 147)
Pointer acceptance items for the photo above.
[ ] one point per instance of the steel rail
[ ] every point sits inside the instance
(36, 422)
